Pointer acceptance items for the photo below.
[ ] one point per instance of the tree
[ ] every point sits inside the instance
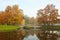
(48, 15)
(27, 19)
(32, 20)
(11, 15)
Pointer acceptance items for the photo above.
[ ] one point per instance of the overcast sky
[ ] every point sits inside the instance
(29, 7)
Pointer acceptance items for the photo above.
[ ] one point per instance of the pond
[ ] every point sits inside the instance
(34, 37)
(30, 37)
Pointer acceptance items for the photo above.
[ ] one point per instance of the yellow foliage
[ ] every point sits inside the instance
(11, 15)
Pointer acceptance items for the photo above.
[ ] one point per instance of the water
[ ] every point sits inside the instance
(30, 37)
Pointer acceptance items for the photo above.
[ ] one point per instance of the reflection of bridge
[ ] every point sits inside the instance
(39, 28)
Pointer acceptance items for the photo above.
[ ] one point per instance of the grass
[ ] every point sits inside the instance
(8, 28)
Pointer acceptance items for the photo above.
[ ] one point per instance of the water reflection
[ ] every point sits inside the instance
(31, 36)
(40, 35)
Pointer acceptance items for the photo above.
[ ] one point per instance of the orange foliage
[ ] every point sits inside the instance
(11, 15)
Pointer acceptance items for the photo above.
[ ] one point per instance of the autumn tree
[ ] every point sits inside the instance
(12, 15)
(48, 15)
(32, 20)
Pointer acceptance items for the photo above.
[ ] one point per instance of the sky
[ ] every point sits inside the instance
(29, 7)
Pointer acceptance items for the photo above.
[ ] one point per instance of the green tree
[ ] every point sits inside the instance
(27, 19)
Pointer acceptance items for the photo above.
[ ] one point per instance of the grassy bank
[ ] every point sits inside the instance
(8, 27)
